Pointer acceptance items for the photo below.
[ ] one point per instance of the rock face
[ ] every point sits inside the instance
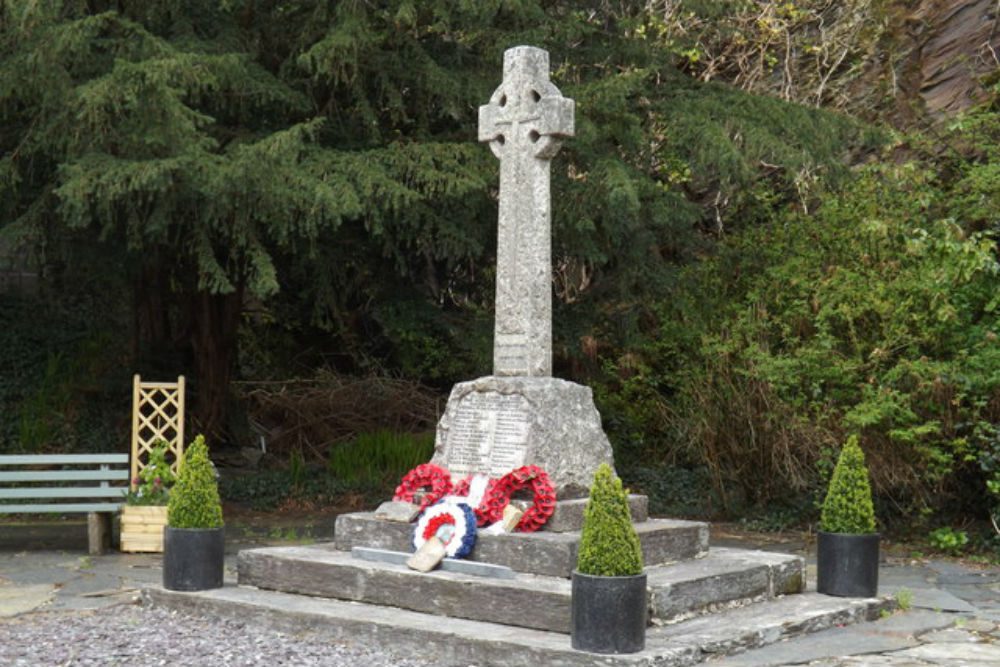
(955, 43)
(495, 424)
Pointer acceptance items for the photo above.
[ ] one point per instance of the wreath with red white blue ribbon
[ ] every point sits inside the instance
(452, 523)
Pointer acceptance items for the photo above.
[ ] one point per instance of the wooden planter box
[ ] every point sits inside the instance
(142, 527)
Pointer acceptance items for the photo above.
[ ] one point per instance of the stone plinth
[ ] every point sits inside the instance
(544, 553)
(495, 424)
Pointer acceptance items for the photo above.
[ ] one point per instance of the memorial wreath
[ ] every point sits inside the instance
(452, 523)
(424, 475)
(494, 499)
(498, 495)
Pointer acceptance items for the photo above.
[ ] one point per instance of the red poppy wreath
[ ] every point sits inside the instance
(424, 475)
(498, 495)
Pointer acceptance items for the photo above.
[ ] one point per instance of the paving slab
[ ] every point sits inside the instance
(912, 623)
(20, 599)
(905, 576)
(952, 636)
(956, 573)
(979, 625)
(895, 633)
(826, 644)
(768, 622)
(940, 600)
(955, 655)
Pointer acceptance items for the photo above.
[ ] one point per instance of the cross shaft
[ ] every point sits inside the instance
(525, 122)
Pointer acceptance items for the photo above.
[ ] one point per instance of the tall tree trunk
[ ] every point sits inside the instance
(213, 327)
(151, 331)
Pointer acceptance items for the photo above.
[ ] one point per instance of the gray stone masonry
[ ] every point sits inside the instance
(543, 552)
(458, 565)
(568, 515)
(677, 591)
(456, 641)
(524, 123)
(723, 578)
(495, 424)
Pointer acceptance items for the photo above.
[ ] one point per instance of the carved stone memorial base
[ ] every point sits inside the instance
(495, 424)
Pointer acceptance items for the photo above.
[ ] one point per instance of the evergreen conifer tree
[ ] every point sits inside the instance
(214, 151)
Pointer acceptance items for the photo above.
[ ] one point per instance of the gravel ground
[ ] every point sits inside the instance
(134, 635)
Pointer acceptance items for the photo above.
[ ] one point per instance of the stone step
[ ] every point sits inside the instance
(724, 578)
(456, 641)
(543, 552)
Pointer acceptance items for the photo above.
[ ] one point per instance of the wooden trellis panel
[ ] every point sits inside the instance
(157, 414)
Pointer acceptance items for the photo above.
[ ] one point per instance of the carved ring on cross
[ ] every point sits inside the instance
(527, 110)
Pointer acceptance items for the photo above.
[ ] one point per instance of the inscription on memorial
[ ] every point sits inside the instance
(489, 434)
(511, 352)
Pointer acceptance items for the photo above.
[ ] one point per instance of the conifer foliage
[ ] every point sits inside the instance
(848, 506)
(318, 160)
(609, 545)
(194, 501)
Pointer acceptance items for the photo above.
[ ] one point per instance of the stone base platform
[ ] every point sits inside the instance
(724, 578)
(456, 641)
(700, 603)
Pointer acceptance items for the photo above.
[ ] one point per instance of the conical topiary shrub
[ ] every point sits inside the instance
(194, 539)
(194, 501)
(609, 545)
(847, 547)
(848, 506)
(609, 597)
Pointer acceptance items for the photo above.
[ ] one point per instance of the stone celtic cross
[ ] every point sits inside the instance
(525, 122)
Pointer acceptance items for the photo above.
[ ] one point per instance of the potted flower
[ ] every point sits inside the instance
(609, 586)
(144, 513)
(847, 548)
(194, 538)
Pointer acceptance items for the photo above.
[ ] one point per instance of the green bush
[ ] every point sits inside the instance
(949, 540)
(609, 545)
(848, 506)
(194, 500)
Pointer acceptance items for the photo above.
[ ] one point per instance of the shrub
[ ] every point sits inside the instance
(194, 501)
(848, 505)
(609, 545)
(949, 540)
(152, 485)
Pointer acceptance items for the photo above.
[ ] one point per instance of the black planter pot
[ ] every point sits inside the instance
(609, 613)
(193, 558)
(847, 565)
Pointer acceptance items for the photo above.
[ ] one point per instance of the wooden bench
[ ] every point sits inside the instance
(61, 483)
